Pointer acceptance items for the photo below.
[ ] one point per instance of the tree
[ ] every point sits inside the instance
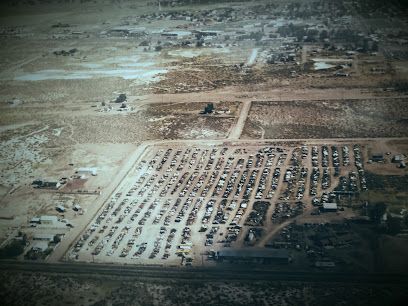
(209, 108)
(13, 249)
(376, 211)
(393, 225)
(57, 239)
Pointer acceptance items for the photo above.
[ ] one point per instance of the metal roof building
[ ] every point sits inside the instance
(93, 171)
(330, 206)
(254, 255)
(48, 219)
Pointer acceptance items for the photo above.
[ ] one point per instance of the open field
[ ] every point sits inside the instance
(374, 118)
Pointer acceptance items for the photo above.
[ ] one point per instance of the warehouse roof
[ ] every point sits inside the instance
(255, 253)
(329, 205)
(49, 218)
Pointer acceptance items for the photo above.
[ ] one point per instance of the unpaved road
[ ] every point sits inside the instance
(236, 130)
(252, 57)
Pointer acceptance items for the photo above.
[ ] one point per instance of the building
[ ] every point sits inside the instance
(254, 255)
(49, 220)
(35, 220)
(398, 158)
(327, 207)
(377, 157)
(40, 245)
(43, 237)
(45, 184)
(87, 171)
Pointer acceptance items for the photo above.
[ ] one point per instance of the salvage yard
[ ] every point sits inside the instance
(181, 203)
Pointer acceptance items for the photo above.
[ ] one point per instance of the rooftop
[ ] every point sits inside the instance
(255, 253)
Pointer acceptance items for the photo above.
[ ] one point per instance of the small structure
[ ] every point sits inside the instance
(398, 158)
(49, 220)
(328, 207)
(40, 245)
(402, 165)
(121, 98)
(377, 157)
(35, 220)
(43, 237)
(46, 184)
(87, 171)
(208, 109)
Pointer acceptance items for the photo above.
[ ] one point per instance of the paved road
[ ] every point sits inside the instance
(227, 273)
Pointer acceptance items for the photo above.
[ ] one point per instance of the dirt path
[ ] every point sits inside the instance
(305, 49)
(236, 130)
(237, 94)
(273, 232)
(252, 57)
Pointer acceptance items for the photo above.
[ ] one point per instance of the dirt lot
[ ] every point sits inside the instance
(327, 119)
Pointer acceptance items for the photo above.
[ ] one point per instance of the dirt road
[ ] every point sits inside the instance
(252, 57)
(237, 129)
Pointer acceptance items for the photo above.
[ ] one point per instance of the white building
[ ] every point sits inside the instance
(88, 171)
(43, 237)
(35, 220)
(50, 220)
(40, 245)
(330, 206)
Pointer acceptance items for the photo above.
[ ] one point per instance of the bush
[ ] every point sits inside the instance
(13, 249)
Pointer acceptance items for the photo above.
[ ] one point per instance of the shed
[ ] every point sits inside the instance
(377, 157)
(88, 171)
(48, 220)
(398, 158)
(329, 206)
(40, 245)
(43, 237)
(35, 220)
(46, 184)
